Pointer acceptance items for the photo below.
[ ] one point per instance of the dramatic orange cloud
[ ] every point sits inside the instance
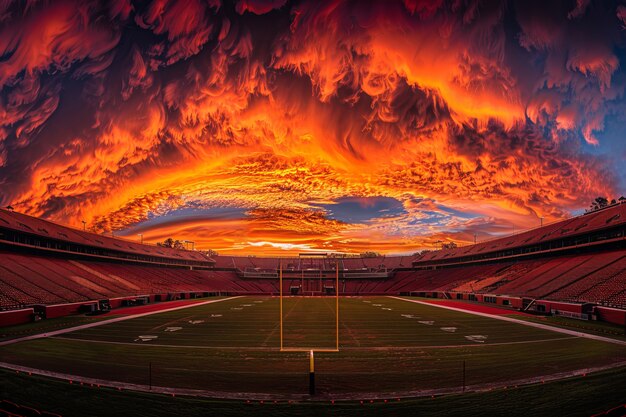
(273, 127)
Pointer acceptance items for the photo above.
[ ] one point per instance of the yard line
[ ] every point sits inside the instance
(277, 326)
(103, 322)
(343, 324)
(171, 322)
(522, 322)
(355, 348)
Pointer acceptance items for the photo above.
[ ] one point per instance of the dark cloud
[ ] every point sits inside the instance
(111, 111)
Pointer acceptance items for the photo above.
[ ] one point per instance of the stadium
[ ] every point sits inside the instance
(532, 308)
(276, 207)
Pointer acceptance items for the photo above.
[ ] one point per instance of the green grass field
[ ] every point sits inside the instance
(388, 347)
(572, 397)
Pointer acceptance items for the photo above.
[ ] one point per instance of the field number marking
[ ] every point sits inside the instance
(145, 338)
(172, 329)
(449, 329)
(478, 338)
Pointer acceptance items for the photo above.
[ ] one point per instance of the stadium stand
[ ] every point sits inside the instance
(587, 230)
(25, 230)
(580, 260)
(27, 280)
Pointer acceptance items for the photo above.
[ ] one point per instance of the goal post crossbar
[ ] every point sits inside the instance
(308, 349)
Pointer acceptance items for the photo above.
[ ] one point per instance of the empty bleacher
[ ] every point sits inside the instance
(28, 280)
(573, 230)
(594, 275)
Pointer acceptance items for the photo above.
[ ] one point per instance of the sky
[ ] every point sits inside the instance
(277, 127)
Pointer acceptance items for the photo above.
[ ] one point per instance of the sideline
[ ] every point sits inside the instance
(522, 322)
(343, 348)
(103, 322)
(348, 396)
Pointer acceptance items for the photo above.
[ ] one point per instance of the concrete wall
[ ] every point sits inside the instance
(60, 310)
(611, 315)
(11, 318)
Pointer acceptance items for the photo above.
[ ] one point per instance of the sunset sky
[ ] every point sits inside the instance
(274, 127)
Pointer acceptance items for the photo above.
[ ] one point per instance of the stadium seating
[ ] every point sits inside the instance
(27, 280)
(597, 275)
(48, 230)
(601, 269)
(577, 226)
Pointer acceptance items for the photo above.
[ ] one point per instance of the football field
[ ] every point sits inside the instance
(387, 347)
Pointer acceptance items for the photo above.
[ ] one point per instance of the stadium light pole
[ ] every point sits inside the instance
(141, 237)
(474, 238)
(84, 225)
(541, 219)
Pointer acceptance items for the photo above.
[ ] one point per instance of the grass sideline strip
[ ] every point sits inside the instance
(104, 322)
(576, 397)
(522, 322)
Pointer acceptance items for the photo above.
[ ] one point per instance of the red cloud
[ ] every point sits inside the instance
(114, 112)
(258, 6)
(52, 38)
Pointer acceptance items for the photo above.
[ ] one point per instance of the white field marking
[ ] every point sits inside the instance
(367, 301)
(145, 338)
(377, 305)
(215, 315)
(236, 308)
(196, 321)
(427, 322)
(478, 338)
(103, 322)
(410, 316)
(247, 305)
(277, 325)
(355, 348)
(386, 308)
(448, 329)
(172, 329)
(163, 325)
(522, 322)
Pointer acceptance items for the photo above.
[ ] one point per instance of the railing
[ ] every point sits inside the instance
(331, 274)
